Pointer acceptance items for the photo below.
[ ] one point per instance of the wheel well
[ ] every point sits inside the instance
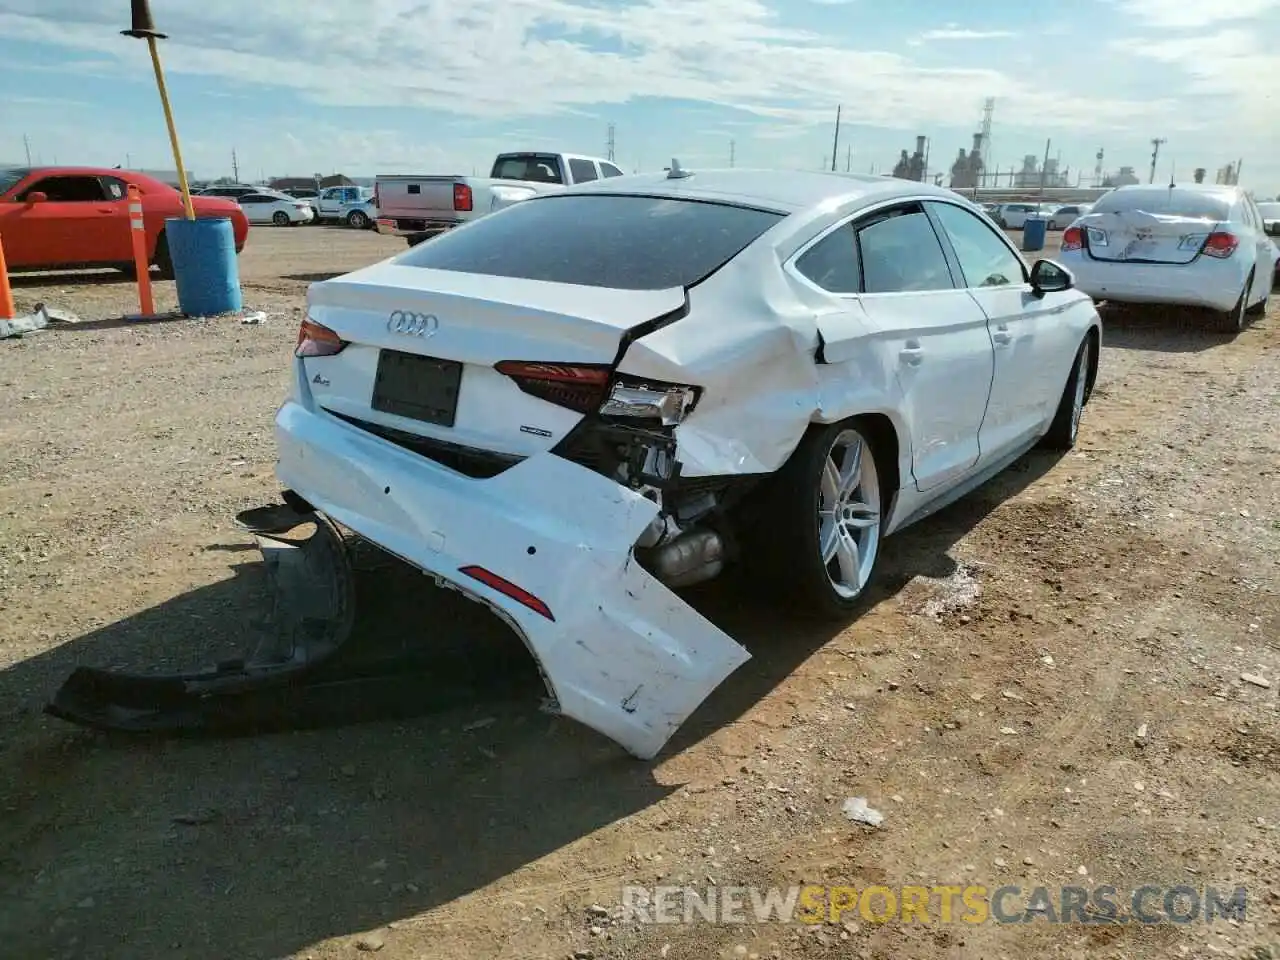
(1094, 351)
(884, 441)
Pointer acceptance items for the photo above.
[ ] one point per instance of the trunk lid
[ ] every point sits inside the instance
(421, 197)
(1137, 236)
(423, 344)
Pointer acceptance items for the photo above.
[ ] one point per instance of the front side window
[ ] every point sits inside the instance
(985, 259)
(69, 189)
(900, 253)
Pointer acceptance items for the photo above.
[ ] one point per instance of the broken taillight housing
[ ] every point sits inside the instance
(317, 340)
(577, 386)
(1072, 238)
(1220, 244)
(668, 403)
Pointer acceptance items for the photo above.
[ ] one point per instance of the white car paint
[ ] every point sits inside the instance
(964, 379)
(1063, 217)
(1013, 216)
(1146, 244)
(277, 208)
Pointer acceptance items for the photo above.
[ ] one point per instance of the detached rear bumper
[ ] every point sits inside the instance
(618, 650)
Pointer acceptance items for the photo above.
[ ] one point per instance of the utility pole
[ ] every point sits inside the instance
(732, 148)
(835, 148)
(1044, 166)
(609, 142)
(1155, 155)
(27, 146)
(848, 159)
(235, 166)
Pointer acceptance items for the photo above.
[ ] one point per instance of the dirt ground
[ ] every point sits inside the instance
(1046, 690)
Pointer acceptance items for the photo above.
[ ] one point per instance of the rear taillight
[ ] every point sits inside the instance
(1072, 238)
(317, 340)
(577, 386)
(1220, 244)
(461, 197)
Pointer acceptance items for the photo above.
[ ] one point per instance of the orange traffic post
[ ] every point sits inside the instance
(7, 311)
(138, 230)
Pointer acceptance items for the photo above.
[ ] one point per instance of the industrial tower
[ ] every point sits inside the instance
(609, 143)
(988, 111)
(1097, 170)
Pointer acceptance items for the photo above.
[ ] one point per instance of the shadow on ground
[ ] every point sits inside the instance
(1162, 329)
(310, 277)
(263, 846)
(79, 278)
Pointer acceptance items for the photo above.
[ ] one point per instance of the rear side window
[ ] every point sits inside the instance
(832, 262)
(582, 170)
(598, 240)
(609, 170)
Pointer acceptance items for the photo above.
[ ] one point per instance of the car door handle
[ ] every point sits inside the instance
(1002, 337)
(107, 210)
(911, 355)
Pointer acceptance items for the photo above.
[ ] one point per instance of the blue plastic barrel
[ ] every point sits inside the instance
(1033, 233)
(205, 269)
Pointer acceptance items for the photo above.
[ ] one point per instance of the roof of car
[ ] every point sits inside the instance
(783, 190)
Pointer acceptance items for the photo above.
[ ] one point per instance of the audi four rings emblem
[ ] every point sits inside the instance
(412, 324)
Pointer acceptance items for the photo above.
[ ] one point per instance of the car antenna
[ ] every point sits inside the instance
(677, 172)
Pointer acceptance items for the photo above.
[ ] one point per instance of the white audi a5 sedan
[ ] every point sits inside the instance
(1190, 244)
(572, 407)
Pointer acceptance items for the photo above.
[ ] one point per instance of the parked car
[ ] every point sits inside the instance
(548, 411)
(1063, 217)
(350, 205)
(302, 193)
(232, 191)
(275, 207)
(54, 218)
(418, 207)
(1270, 210)
(1012, 216)
(1189, 244)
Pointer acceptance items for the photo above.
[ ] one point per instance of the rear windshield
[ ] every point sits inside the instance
(540, 168)
(1170, 203)
(599, 240)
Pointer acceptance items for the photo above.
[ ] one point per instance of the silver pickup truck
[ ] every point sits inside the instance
(420, 207)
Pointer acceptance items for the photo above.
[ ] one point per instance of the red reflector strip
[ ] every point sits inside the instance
(507, 588)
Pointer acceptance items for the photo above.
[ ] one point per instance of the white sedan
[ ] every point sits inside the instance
(1194, 245)
(278, 208)
(578, 405)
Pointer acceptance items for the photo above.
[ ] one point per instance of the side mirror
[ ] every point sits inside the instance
(37, 196)
(1050, 277)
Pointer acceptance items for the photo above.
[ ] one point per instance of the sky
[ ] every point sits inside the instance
(441, 86)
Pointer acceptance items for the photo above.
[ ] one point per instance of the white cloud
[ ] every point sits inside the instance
(1191, 15)
(503, 63)
(955, 32)
(501, 58)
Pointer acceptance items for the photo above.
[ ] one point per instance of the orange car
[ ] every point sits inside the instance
(55, 218)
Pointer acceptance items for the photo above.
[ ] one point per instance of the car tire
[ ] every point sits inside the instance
(798, 544)
(1065, 427)
(1259, 308)
(357, 220)
(1234, 320)
(162, 260)
(280, 219)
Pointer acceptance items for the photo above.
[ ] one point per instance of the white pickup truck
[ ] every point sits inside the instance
(420, 207)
